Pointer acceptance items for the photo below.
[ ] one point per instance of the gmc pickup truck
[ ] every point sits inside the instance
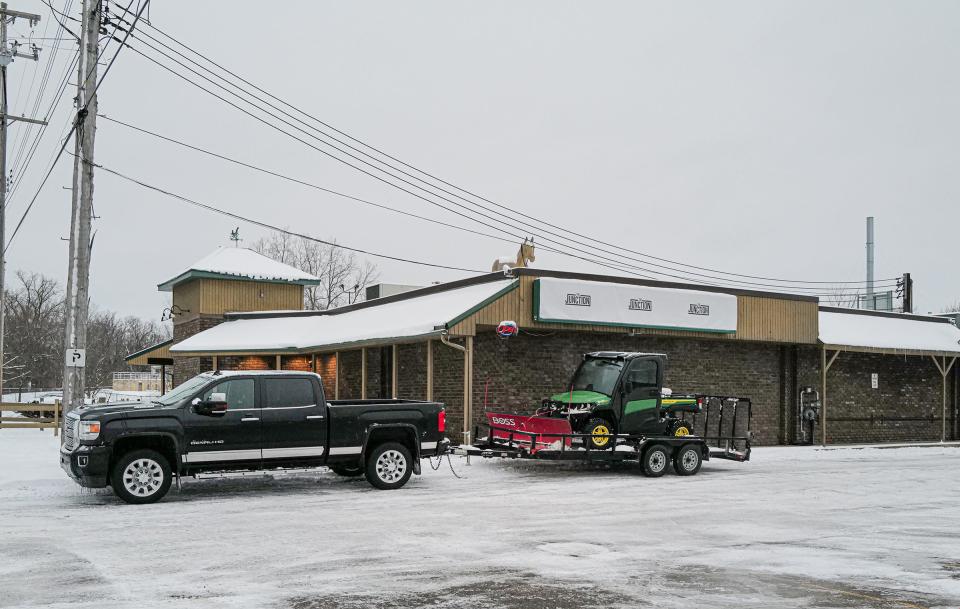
(239, 423)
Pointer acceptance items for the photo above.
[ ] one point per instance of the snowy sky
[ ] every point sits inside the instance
(746, 136)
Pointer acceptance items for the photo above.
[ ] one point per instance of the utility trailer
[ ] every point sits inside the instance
(726, 419)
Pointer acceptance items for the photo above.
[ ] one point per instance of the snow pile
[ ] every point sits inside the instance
(888, 332)
(243, 263)
(408, 318)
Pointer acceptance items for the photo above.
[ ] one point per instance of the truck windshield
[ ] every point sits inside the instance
(597, 375)
(184, 390)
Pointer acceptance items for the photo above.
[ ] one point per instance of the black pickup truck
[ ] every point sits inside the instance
(237, 423)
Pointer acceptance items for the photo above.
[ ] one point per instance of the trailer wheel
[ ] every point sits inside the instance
(389, 466)
(688, 460)
(598, 427)
(348, 471)
(655, 460)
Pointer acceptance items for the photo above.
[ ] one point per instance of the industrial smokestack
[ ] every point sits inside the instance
(870, 301)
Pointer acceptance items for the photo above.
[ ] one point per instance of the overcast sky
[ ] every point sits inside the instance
(751, 137)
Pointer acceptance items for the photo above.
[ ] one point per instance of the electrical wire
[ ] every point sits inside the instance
(565, 230)
(618, 264)
(80, 114)
(273, 227)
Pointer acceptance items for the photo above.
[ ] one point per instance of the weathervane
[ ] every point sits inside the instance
(235, 237)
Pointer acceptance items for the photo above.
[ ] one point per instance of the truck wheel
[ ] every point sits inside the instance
(688, 460)
(348, 471)
(598, 427)
(655, 460)
(141, 476)
(389, 466)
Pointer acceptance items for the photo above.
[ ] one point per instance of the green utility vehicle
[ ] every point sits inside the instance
(615, 392)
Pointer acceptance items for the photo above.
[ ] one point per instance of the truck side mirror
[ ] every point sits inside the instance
(214, 406)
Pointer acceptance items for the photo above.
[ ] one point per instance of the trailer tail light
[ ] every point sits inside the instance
(442, 421)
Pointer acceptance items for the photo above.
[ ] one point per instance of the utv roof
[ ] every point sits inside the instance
(621, 354)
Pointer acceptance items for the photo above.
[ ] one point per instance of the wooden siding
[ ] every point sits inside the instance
(219, 296)
(758, 319)
(186, 296)
(162, 351)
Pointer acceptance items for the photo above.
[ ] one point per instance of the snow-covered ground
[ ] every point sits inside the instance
(793, 528)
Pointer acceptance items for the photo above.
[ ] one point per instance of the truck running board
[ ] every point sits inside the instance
(247, 473)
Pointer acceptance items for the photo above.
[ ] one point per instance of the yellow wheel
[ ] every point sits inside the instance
(599, 429)
(682, 430)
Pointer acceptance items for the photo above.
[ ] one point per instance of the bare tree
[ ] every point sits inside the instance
(34, 332)
(842, 297)
(954, 308)
(343, 277)
(34, 328)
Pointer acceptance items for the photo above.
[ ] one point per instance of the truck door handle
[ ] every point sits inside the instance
(249, 419)
(314, 416)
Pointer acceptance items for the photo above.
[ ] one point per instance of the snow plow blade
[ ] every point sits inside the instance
(531, 432)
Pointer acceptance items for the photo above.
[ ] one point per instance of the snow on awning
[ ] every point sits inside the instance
(396, 321)
(241, 263)
(892, 333)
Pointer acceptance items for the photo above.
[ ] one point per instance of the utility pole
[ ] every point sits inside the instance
(7, 54)
(78, 274)
(871, 300)
(905, 287)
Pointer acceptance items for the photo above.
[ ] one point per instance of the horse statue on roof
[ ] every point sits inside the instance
(524, 256)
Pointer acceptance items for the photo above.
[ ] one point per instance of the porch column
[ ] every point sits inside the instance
(429, 370)
(336, 376)
(394, 375)
(944, 369)
(824, 368)
(363, 373)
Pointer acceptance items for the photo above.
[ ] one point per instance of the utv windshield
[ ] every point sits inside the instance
(597, 375)
(184, 390)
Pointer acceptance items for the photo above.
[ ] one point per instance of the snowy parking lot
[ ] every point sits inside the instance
(795, 527)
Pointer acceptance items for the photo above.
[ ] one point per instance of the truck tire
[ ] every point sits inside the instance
(141, 476)
(600, 427)
(688, 460)
(348, 471)
(389, 466)
(655, 460)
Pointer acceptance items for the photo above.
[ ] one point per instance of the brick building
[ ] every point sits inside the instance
(880, 376)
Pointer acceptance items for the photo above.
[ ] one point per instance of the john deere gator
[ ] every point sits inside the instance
(615, 392)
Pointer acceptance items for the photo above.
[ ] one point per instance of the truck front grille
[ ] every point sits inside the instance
(70, 433)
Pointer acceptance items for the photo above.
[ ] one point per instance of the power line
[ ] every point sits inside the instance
(384, 154)
(299, 181)
(267, 225)
(80, 113)
(617, 263)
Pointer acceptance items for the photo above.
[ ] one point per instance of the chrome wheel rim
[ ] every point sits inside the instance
(689, 460)
(657, 461)
(391, 466)
(143, 477)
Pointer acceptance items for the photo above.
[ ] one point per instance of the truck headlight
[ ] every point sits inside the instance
(89, 430)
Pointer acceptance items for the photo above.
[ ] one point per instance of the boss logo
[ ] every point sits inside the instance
(699, 309)
(504, 421)
(578, 300)
(639, 304)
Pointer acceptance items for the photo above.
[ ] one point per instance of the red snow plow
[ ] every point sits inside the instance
(532, 432)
